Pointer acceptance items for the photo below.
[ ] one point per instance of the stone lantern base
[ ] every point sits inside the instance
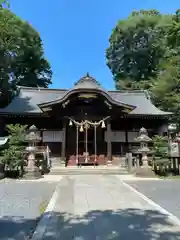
(32, 173)
(145, 172)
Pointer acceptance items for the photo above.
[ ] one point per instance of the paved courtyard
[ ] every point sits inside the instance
(165, 193)
(102, 208)
(20, 206)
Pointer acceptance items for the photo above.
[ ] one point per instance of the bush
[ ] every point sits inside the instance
(13, 155)
(160, 155)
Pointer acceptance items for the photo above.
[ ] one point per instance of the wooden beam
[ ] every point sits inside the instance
(63, 144)
(109, 146)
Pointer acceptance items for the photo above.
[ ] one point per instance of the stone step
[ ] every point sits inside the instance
(89, 171)
(55, 162)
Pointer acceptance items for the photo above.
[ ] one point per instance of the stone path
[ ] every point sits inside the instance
(103, 208)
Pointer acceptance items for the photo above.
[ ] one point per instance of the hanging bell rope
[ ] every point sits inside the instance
(85, 122)
(85, 125)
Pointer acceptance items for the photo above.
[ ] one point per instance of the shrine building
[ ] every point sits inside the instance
(86, 119)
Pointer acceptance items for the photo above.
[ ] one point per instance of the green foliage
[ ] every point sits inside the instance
(173, 33)
(166, 88)
(144, 53)
(160, 155)
(160, 146)
(22, 60)
(13, 156)
(136, 47)
(5, 3)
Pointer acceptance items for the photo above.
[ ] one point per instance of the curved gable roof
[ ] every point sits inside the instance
(88, 84)
(29, 98)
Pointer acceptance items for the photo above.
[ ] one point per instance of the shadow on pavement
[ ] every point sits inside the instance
(17, 228)
(95, 225)
(105, 225)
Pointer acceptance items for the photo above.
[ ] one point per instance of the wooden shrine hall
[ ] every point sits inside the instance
(85, 123)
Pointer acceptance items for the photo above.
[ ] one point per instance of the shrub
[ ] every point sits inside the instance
(160, 155)
(13, 155)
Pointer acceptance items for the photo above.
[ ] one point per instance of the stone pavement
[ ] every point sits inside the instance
(103, 208)
(165, 192)
(20, 204)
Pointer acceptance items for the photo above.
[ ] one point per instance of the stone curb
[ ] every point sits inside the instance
(46, 216)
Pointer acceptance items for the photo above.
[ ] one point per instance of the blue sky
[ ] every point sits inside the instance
(75, 33)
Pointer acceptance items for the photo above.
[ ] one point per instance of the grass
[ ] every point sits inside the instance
(42, 207)
(173, 177)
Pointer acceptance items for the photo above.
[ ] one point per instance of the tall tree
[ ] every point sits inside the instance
(166, 87)
(5, 3)
(173, 35)
(136, 47)
(22, 60)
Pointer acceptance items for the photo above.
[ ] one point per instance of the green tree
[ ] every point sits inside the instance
(166, 88)
(160, 146)
(173, 34)
(22, 60)
(13, 155)
(160, 154)
(136, 48)
(5, 3)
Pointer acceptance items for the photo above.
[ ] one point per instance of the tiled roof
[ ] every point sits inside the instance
(140, 99)
(28, 99)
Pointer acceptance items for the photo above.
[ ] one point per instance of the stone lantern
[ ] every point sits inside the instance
(143, 140)
(32, 171)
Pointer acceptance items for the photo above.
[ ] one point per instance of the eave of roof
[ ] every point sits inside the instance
(78, 90)
(29, 98)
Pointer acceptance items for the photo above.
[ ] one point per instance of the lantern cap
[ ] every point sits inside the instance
(32, 137)
(33, 128)
(143, 131)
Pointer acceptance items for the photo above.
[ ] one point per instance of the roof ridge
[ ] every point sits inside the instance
(41, 89)
(65, 89)
(128, 91)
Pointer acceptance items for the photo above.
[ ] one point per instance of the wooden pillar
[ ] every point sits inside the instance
(63, 144)
(126, 140)
(109, 146)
